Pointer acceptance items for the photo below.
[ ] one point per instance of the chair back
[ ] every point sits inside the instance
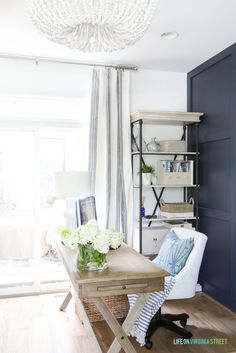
(186, 279)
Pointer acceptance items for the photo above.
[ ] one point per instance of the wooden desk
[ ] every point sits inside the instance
(127, 272)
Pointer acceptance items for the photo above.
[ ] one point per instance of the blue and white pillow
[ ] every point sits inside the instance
(174, 253)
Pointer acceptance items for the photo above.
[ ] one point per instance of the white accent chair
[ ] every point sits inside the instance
(186, 279)
(184, 287)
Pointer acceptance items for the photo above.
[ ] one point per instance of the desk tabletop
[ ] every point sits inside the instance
(127, 272)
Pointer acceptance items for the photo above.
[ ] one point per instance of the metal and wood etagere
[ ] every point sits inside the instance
(165, 118)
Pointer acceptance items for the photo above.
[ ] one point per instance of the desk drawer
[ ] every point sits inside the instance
(103, 289)
(134, 287)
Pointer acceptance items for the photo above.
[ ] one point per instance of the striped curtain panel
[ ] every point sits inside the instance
(110, 147)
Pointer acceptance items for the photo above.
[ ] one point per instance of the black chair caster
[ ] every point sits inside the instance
(148, 344)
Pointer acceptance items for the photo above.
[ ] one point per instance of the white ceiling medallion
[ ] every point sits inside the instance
(169, 35)
(92, 25)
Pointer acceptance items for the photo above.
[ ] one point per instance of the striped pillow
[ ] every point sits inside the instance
(174, 253)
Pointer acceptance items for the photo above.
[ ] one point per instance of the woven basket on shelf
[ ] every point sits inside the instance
(174, 207)
(118, 304)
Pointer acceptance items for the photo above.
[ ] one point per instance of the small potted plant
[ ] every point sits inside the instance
(147, 171)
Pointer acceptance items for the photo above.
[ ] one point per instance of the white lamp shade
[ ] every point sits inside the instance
(72, 184)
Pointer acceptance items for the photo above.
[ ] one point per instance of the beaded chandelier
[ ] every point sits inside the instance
(92, 25)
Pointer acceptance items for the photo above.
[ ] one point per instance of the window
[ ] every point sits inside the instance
(31, 151)
(16, 173)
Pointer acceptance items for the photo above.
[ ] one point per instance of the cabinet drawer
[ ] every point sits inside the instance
(152, 240)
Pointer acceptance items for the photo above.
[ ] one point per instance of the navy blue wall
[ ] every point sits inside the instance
(212, 90)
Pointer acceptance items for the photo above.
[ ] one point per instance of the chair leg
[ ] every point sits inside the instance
(175, 328)
(166, 320)
(153, 326)
(182, 318)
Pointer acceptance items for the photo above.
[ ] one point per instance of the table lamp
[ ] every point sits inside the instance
(71, 184)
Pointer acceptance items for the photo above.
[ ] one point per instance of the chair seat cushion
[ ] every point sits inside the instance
(174, 253)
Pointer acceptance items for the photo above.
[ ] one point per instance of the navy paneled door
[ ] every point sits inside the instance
(212, 90)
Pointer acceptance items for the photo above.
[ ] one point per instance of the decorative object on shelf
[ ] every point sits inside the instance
(177, 172)
(147, 172)
(177, 209)
(143, 208)
(172, 146)
(93, 245)
(153, 145)
(92, 26)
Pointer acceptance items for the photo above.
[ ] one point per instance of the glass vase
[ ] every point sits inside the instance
(153, 145)
(90, 259)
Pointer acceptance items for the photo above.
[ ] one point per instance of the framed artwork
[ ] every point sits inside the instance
(87, 209)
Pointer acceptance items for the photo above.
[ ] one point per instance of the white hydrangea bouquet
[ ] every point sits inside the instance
(93, 244)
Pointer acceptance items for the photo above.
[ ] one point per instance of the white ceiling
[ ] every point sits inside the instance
(205, 28)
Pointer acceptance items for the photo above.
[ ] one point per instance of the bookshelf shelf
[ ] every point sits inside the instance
(166, 219)
(165, 153)
(166, 186)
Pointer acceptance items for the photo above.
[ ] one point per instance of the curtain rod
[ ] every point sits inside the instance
(38, 59)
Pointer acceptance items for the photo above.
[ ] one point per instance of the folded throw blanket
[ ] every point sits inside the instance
(153, 304)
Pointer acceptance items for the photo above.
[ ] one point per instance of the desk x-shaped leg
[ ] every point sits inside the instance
(66, 301)
(121, 340)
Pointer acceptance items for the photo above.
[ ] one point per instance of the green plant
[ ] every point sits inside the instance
(147, 169)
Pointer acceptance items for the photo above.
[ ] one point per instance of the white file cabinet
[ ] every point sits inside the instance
(152, 238)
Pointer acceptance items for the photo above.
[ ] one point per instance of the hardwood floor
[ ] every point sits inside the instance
(35, 325)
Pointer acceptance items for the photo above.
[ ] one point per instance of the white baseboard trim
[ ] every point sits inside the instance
(198, 288)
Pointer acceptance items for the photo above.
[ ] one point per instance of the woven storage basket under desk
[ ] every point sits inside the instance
(118, 304)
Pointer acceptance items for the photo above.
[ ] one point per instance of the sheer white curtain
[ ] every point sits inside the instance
(110, 147)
